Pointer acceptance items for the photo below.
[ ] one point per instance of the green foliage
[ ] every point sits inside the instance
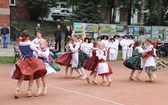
(86, 12)
(39, 8)
(157, 9)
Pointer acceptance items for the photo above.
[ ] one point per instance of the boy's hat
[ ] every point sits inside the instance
(112, 39)
(116, 36)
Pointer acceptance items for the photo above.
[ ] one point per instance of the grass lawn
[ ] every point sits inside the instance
(10, 59)
(6, 59)
(48, 27)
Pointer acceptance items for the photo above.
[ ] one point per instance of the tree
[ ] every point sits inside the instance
(39, 8)
(109, 4)
(157, 10)
(86, 12)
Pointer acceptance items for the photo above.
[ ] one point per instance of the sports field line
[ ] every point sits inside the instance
(86, 95)
(113, 77)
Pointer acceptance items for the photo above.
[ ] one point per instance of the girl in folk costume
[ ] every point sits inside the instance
(112, 49)
(66, 58)
(103, 68)
(85, 46)
(124, 44)
(36, 41)
(27, 67)
(130, 47)
(117, 41)
(44, 56)
(91, 64)
(78, 58)
(149, 62)
(135, 62)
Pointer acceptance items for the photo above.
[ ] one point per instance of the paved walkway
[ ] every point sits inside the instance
(7, 51)
(10, 50)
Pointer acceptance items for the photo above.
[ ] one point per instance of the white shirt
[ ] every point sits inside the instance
(106, 42)
(150, 59)
(124, 43)
(36, 42)
(130, 42)
(113, 47)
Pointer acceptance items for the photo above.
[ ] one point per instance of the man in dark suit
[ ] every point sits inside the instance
(68, 32)
(58, 37)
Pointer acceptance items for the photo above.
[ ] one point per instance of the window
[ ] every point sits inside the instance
(12, 2)
(63, 5)
(67, 11)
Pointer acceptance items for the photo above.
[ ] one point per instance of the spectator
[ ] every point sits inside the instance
(68, 32)
(38, 28)
(58, 37)
(51, 46)
(4, 33)
(162, 47)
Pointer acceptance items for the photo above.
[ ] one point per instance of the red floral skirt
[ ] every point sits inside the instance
(65, 60)
(29, 66)
(109, 73)
(91, 64)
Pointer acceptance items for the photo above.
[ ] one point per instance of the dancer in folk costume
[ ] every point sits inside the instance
(44, 56)
(117, 41)
(66, 58)
(149, 62)
(78, 57)
(91, 64)
(36, 41)
(27, 67)
(99, 39)
(91, 41)
(160, 63)
(130, 47)
(135, 62)
(105, 41)
(124, 44)
(85, 46)
(112, 49)
(103, 68)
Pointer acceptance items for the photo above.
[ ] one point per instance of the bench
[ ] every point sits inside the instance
(16, 53)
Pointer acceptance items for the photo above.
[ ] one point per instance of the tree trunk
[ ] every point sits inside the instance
(141, 14)
(110, 18)
(129, 9)
(114, 11)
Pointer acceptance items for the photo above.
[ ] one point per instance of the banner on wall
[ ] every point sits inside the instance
(155, 32)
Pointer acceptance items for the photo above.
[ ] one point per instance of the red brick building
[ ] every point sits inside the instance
(18, 10)
(4, 13)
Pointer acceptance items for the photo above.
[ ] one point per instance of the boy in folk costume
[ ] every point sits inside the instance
(112, 49)
(130, 47)
(105, 41)
(28, 67)
(85, 46)
(91, 41)
(91, 64)
(124, 44)
(78, 57)
(103, 68)
(117, 41)
(149, 62)
(99, 39)
(66, 58)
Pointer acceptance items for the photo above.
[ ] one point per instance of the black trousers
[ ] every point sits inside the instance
(58, 42)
